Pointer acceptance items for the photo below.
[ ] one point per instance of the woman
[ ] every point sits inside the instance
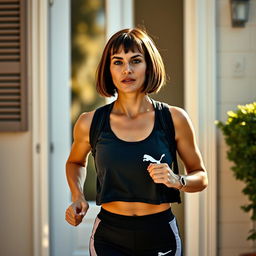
(133, 159)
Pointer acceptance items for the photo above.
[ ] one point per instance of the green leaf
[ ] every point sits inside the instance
(252, 235)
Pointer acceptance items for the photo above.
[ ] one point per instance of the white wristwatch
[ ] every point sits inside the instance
(182, 180)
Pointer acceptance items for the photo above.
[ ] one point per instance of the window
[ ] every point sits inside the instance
(13, 62)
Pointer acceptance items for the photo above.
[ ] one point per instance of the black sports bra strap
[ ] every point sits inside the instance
(98, 121)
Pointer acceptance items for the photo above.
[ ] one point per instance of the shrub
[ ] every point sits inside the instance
(240, 135)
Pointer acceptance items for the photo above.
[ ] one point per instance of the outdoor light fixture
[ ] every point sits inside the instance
(239, 12)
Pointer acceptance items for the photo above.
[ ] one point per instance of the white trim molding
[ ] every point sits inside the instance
(62, 235)
(119, 15)
(38, 77)
(200, 103)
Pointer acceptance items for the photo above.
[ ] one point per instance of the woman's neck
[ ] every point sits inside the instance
(132, 106)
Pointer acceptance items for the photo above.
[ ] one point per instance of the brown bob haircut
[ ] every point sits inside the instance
(131, 40)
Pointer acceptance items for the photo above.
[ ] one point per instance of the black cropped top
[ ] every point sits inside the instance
(121, 167)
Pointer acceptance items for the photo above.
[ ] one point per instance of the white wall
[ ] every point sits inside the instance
(234, 46)
(15, 195)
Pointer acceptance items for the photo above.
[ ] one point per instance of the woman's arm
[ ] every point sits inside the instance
(196, 176)
(76, 169)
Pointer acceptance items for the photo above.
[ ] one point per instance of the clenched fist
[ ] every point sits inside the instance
(161, 173)
(76, 211)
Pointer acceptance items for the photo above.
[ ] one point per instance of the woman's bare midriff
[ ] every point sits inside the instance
(134, 208)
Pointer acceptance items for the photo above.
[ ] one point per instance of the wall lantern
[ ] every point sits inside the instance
(239, 12)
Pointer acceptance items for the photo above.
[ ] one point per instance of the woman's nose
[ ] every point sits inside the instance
(127, 69)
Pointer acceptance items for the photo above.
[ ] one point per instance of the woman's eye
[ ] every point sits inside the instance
(136, 61)
(117, 62)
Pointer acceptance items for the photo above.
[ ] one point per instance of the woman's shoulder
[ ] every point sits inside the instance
(83, 123)
(85, 119)
(182, 122)
(179, 115)
(178, 112)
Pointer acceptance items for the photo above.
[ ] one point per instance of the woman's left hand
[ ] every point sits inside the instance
(161, 173)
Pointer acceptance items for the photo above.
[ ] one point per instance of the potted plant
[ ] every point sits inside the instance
(240, 135)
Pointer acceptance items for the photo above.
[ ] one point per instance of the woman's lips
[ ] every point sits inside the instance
(128, 81)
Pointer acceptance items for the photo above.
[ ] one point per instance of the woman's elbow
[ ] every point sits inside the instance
(204, 181)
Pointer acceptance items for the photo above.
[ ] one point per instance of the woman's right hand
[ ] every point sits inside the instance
(76, 211)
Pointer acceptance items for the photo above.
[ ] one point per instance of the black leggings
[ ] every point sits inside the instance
(149, 235)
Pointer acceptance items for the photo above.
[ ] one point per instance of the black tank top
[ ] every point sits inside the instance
(121, 167)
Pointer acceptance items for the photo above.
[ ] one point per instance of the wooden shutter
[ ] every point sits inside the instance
(13, 66)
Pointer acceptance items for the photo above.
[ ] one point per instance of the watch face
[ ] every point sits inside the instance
(182, 181)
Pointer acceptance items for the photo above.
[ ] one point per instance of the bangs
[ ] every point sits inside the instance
(127, 42)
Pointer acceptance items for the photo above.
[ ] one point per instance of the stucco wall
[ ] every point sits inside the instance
(16, 194)
(234, 45)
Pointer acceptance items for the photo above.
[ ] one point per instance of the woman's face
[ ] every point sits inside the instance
(128, 71)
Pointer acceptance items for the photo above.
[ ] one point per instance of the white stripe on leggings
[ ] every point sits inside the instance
(95, 226)
(174, 228)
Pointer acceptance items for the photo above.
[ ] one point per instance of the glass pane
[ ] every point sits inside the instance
(87, 42)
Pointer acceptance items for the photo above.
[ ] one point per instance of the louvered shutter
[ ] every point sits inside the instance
(13, 66)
